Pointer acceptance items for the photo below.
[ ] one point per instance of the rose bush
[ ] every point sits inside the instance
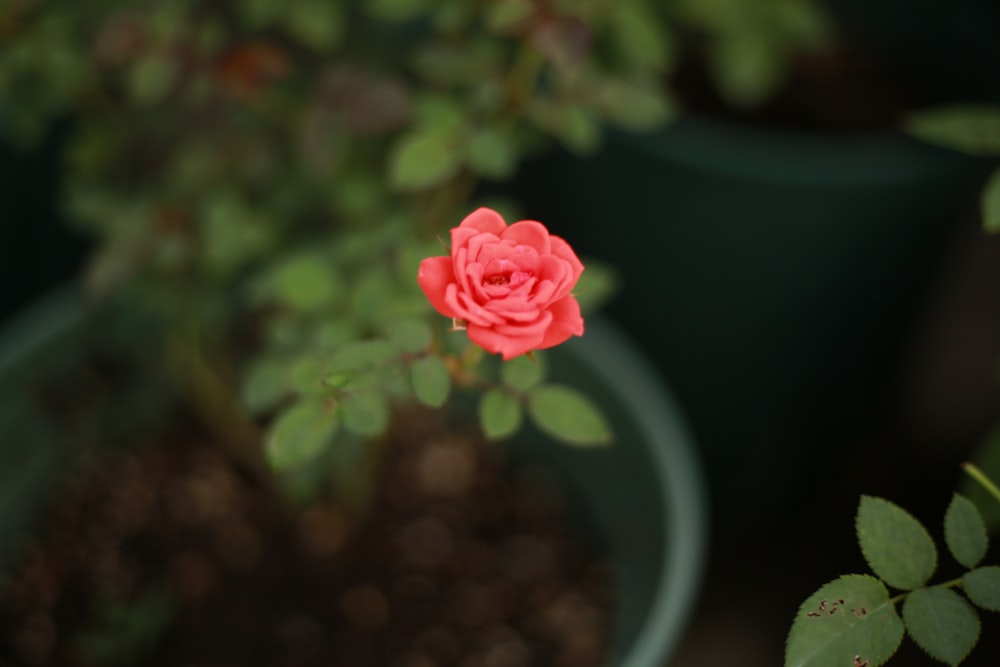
(509, 287)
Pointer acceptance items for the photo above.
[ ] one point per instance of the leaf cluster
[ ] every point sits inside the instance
(853, 620)
(269, 175)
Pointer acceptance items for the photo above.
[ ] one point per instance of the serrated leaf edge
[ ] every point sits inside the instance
(799, 615)
(857, 531)
(979, 626)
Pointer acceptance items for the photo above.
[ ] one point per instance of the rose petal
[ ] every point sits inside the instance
(479, 242)
(563, 251)
(516, 308)
(560, 273)
(530, 233)
(509, 341)
(485, 220)
(566, 322)
(434, 276)
(462, 305)
(543, 294)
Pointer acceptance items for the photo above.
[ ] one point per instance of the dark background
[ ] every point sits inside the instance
(939, 399)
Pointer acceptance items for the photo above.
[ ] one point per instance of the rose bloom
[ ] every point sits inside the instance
(509, 287)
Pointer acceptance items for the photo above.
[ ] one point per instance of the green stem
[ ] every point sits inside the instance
(984, 481)
(951, 583)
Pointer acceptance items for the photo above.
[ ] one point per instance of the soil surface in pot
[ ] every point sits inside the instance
(168, 554)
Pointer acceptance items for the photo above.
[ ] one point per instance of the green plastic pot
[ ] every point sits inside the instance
(771, 275)
(642, 499)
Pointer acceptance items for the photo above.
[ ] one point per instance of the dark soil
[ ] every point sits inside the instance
(168, 555)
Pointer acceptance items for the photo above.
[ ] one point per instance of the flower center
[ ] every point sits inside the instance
(496, 279)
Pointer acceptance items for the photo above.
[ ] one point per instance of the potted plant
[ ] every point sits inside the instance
(786, 212)
(271, 306)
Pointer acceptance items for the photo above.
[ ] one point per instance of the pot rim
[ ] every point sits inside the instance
(615, 359)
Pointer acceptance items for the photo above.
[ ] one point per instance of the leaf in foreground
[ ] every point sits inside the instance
(942, 623)
(567, 415)
(846, 622)
(898, 548)
(965, 532)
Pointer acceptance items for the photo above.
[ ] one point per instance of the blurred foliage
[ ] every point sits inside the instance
(268, 177)
(973, 129)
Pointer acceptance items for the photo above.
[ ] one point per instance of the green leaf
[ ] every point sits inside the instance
(941, 622)
(636, 106)
(423, 158)
(522, 373)
(492, 153)
(411, 335)
(265, 385)
(575, 126)
(150, 78)
(579, 130)
(317, 24)
(431, 380)
(500, 414)
(300, 434)
(365, 413)
(898, 548)
(502, 15)
(304, 282)
(306, 374)
(987, 459)
(362, 355)
(397, 10)
(991, 203)
(642, 38)
(597, 285)
(567, 415)
(982, 585)
(965, 532)
(970, 128)
(846, 622)
(746, 68)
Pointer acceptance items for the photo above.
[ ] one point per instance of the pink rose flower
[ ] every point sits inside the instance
(508, 286)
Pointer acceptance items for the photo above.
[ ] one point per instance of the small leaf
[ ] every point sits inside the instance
(636, 106)
(365, 413)
(597, 285)
(965, 532)
(846, 622)
(304, 282)
(982, 585)
(423, 158)
(746, 68)
(898, 548)
(492, 153)
(644, 40)
(431, 380)
(361, 355)
(502, 15)
(150, 78)
(411, 335)
(522, 373)
(300, 433)
(499, 414)
(567, 415)
(265, 385)
(317, 24)
(971, 128)
(398, 10)
(991, 203)
(941, 622)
